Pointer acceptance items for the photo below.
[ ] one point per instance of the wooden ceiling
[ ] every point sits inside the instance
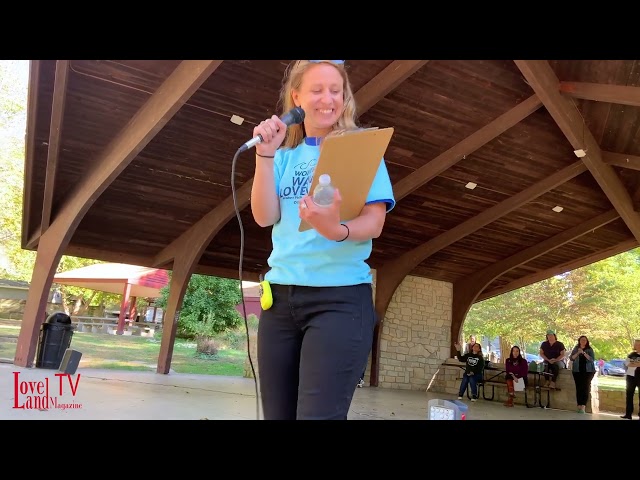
(156, 156)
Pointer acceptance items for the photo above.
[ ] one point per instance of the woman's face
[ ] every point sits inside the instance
(515, 351)
(321, 96)
(583, 342)
(476, 348)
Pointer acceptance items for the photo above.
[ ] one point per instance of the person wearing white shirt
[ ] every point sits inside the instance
(632, 377)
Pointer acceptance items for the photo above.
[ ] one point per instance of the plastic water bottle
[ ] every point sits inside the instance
(323, 193)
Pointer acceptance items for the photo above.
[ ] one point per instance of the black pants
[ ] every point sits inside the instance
(632, 384)
(553, 369)
(313, 344)
(583, 386)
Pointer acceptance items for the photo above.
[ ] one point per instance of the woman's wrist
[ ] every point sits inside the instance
(344, 233)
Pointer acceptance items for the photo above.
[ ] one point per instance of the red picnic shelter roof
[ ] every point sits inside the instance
(113, 278)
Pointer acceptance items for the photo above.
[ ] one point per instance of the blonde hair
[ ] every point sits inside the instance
(293, 80)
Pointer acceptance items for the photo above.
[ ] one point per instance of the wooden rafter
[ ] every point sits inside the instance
(635, 197)
(480, 279)
(55, 133)
(621, 160)
(445, 160)
(385, 82)
(203, 231)
(565, 267)
(408, 261)
(30, 151)
(143, 126)
(543, 81)
(620, 94)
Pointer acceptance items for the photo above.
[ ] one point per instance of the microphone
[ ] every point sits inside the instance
(292, 117)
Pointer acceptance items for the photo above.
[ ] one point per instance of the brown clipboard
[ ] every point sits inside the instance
(352, 160)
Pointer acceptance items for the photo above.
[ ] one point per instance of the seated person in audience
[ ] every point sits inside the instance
(517, 370)
(473, 370)
(552, 352)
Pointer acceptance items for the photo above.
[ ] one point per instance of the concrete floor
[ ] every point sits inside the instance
(123, 395)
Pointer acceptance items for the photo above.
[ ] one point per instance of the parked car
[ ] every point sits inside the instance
(614, 367)
(531, 357)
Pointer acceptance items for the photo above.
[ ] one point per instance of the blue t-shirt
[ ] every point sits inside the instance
(307, 258)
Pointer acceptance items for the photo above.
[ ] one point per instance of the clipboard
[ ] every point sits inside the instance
(352, 160)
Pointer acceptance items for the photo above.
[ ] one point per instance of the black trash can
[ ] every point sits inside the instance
(55, 338)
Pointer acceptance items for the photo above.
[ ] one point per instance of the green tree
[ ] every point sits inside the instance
(208, 307)
(15, 262)
(601, 300)
(613, 295)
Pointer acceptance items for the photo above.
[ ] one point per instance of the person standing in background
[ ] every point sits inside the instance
(601, 367)
(632, 377)
(583, 368)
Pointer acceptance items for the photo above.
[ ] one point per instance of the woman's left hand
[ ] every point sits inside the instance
(325, 220)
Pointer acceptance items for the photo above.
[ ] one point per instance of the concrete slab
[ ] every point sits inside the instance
(92, 394)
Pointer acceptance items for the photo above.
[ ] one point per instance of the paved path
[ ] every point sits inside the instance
(124, 395)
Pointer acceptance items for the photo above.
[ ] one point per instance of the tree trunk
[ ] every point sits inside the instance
(505, 349)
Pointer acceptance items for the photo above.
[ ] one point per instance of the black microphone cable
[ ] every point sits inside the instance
(244, 308)
(292, 117)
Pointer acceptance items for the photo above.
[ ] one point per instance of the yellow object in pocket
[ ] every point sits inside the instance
(266, 298)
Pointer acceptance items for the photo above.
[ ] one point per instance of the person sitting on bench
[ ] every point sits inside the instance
(517, 370)
(473, 370)
(553, 352)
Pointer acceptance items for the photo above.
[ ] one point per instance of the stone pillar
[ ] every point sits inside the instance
(593, 405)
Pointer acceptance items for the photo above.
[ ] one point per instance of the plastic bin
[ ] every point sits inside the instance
(55, 338)
(439, 409)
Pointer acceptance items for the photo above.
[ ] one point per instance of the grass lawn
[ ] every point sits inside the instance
(135, 353)
(138, 353)
(609, 382)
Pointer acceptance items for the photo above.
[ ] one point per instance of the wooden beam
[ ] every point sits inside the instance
(28, 230)
(55, 133)
(621, 160)
(445, 160)
(543, 81)
(409, 260)
(635, 198)
(565, 267)
(599, 92)
(200, 234)
(385, 82)
(143, 126)
(131, 140)
(480, 279)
